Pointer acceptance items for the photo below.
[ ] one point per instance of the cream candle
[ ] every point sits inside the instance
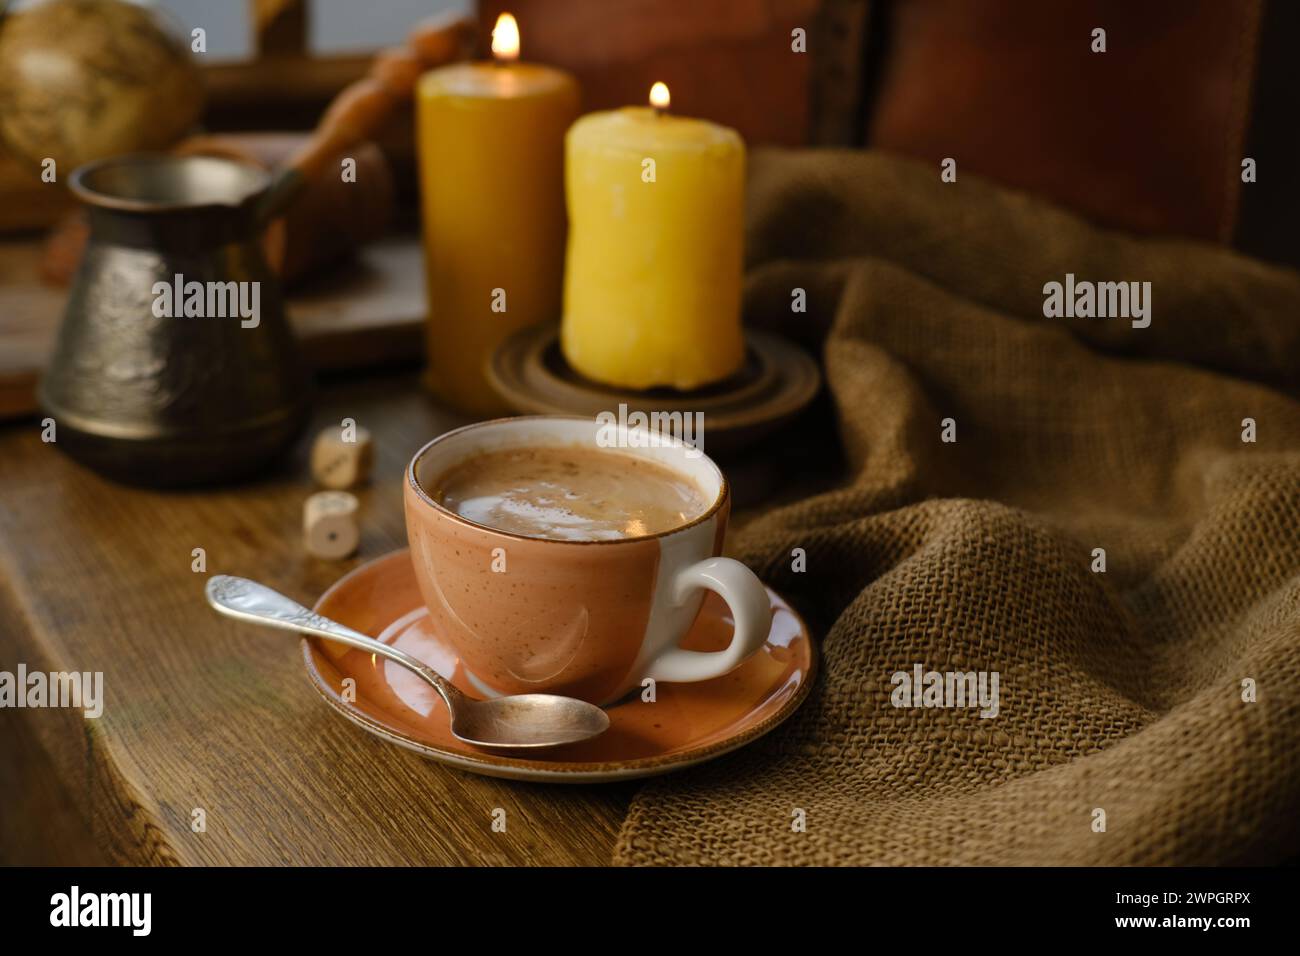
(491, 153)
(652, 279)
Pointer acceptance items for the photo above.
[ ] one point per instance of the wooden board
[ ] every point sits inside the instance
(368, 313)
(201, 712)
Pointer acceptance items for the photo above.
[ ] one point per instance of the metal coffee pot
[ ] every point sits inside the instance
(175, 364)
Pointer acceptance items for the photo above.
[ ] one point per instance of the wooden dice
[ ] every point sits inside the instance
(329, 525)
(341, 456)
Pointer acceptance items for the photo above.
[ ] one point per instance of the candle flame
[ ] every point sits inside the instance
(659, 97)
(505, 38)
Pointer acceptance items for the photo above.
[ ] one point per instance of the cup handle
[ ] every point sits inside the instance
(750, 608)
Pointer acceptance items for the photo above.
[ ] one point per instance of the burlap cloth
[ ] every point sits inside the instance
(1119, 691)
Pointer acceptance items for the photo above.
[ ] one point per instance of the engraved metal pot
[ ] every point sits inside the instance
(168, 399)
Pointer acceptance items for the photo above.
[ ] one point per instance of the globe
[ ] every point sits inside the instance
(84, 79)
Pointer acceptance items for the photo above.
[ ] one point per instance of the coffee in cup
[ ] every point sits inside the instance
(553, 563)
(569, 493)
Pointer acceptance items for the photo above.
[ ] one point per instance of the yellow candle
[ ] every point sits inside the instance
(652, 283)
(491, 147)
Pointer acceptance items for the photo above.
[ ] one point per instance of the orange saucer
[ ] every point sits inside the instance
(687, 723)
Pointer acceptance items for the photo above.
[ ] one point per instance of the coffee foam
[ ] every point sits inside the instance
(572, 493)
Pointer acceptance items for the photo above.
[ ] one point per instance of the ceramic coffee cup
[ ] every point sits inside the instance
(588, 619)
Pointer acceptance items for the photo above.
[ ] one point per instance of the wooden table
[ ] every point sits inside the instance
(204, 713)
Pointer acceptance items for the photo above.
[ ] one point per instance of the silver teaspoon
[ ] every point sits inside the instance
(522, 721)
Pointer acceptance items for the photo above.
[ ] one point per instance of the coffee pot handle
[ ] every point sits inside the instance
(750, 609)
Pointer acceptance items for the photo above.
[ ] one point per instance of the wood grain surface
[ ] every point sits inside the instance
(203, 712)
